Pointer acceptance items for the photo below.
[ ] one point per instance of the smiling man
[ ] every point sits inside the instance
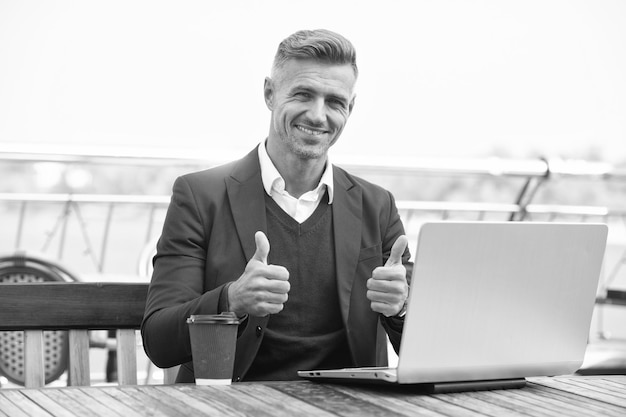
(335, 277)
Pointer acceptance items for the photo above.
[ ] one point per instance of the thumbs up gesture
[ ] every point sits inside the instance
(261, 289)
(387, 289)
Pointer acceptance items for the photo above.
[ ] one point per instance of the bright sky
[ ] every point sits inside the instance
(437, 78)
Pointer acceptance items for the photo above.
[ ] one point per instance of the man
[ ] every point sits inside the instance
(299, 249)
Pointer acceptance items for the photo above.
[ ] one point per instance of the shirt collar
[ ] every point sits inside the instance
(273, 180)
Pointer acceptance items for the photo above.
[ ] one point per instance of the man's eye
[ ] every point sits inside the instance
(338, 104)
(303, 94)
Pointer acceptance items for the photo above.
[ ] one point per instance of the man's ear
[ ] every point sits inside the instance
(268, 93)
(351, 105)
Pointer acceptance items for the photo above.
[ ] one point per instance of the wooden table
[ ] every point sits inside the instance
(565, 396)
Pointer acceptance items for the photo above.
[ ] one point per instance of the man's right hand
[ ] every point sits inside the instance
(261, 289)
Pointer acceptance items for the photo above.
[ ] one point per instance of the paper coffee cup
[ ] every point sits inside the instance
(213, 340)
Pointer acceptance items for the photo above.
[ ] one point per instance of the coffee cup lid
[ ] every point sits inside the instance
(223, 318)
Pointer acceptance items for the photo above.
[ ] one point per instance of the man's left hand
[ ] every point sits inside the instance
(387, 288)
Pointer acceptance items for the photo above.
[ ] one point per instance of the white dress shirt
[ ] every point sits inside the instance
(298, 208)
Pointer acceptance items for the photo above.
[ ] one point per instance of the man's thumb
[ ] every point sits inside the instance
(262, 247)
(398, 248)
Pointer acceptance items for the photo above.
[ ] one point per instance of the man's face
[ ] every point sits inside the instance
(310, 103)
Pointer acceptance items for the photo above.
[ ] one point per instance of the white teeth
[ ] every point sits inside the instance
(309, 131)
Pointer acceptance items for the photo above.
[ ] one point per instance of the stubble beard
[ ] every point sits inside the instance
(304, 152)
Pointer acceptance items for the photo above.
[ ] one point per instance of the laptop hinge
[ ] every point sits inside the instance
(460, 386)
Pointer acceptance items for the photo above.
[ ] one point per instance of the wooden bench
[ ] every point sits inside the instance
(76, 307)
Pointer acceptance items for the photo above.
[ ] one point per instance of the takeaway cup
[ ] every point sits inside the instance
(213, 340)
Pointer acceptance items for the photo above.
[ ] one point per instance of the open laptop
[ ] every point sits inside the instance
(492, 303)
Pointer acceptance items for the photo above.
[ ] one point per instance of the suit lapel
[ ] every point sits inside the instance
(347, 209)
(247, 201)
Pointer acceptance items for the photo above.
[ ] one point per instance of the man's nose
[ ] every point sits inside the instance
(317, 111)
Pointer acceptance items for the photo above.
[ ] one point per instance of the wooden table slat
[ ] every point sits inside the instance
(206, 409)
(13, 406)
(44, 401)
(330, 399)
(193, 403)
(542, 397)
(138, 403)
(250, 404)
(165, 404)
(435, 403)
(534, 401)
(226, 404)
(284, 404)
(95, 408)
(519, 405)
(588, 391)
(528, 401)
(102, 396)
(601, 385)
(563, 400)
(69, 406)
(393, 401)
(621, 382)
(480, 405)
(31, 408)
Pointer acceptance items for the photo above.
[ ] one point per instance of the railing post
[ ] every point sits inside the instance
(66, 215)
(20, 225)
(105, 236)
(150, 221)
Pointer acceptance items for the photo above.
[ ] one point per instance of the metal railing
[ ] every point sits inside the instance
(147, 211)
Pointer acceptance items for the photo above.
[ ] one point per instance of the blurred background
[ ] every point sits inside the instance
(503, 110)
(437, 78)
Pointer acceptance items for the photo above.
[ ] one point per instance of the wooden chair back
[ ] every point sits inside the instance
(22, 267)
(76, 307)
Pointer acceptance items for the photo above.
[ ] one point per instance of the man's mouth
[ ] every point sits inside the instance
(310, 131)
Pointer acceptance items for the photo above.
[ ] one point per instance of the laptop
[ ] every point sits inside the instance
(492, 303)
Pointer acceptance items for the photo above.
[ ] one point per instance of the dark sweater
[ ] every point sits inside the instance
(309, 332)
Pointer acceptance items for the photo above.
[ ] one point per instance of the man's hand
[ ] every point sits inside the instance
(261, 289)
(387, 288)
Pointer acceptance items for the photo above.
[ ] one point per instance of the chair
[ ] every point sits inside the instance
(76, 307)
(25, 268)
(606, 355)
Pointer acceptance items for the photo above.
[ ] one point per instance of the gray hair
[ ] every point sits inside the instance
(320, 45)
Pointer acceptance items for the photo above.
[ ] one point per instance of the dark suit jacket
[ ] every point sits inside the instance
(208, 238)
